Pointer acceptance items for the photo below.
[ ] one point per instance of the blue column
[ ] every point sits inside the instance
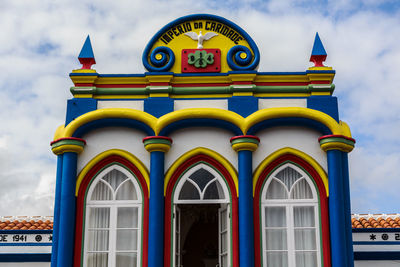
(246, 225)
(66, 234)
(244, 145)
(157, 146)
(347, 209)
(56, 218)
(336, 210)
(156, 210)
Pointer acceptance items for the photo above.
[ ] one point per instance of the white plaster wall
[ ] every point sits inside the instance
(376, 263)
(282, 102)
(138, 105)
(107, 138)
(217, 103)
(24, 264)
(212, 138)
(300, 138)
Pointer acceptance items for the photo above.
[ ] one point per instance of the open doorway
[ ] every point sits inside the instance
(201, 235)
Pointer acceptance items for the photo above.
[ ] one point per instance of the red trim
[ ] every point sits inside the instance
(156, 137)
(81, 204)
(68, 138)
(323, 206)
(242, 82)
(200, 84)
(168, 202)
(244, 136)
(159, 83)
(320, 82)
(133, 85)
(281, 83)
(83, 84)
(336, 135)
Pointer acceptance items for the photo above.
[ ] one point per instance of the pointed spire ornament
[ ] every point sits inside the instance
(86, 56)
(318, 54)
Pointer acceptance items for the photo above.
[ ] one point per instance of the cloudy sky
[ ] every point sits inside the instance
(40, 41)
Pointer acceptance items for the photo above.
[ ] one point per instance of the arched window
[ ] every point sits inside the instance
(201, 211)
(290, 220)
(113, 219)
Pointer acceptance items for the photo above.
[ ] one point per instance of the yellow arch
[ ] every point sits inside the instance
(106, 113)
(194, 113)
(157, 124)
(143, 170)
(307, 113)
(298, 153)
(203, 151)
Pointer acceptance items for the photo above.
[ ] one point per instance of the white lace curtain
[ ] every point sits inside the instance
(112, 221)
(290, 230)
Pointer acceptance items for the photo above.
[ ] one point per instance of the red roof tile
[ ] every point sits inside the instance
(375, 221)
(26, 223)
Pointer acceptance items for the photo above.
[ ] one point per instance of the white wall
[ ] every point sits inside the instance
(300, 138)
(107, 138)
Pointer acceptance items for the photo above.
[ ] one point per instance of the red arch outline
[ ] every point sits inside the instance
(81, 204)
(323, 199)
(168, 201)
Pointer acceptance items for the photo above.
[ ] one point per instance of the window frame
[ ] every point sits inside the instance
(289, 204)
(319, 178)
(136, 169)
(225, 169)
(113, 206)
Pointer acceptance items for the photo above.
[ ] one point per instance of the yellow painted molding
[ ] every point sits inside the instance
(337, 146)
(244, 124)
(84, 71)
(203, 151)
(245, 146)
(142, 168)
(157, 147)
(295, 152)
(159, 78)
(192, 113)
(67, 148)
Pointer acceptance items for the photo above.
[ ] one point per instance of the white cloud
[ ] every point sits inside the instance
(40, 42)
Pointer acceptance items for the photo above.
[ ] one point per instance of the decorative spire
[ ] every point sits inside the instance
(318, 54)
(86, 56)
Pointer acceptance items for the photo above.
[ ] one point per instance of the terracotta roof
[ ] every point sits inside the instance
(375, 220)
(26, 223)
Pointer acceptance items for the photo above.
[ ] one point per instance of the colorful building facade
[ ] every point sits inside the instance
(203, 160)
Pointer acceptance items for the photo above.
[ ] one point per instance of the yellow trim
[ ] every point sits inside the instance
(159, 95)
(84, 71)
(244, 146)
(83, 95)
(157, 147)
(67, 148)
(242, 93)
(211, 113)
(59, 132)
(201, 96)
(120, 96)
(338, 146)
(198, 151)
(143, 170)
(320, 68)
(298, 153)
(273, 113)
(121, 80)
(282, 94)
(109, 113)
(320, 93)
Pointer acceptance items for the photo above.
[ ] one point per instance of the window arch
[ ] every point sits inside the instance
(201, 184)
(112, 212)
(291, 211)
(201, 178)
(113, 216)
(290, 220)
